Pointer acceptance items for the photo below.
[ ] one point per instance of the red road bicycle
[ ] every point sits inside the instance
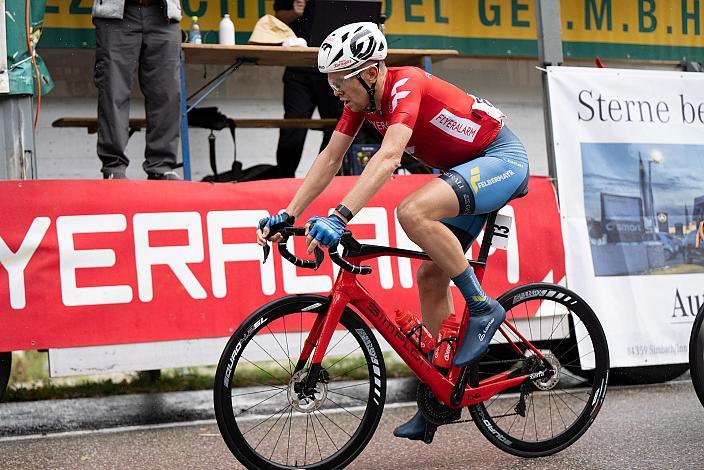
(302, 382)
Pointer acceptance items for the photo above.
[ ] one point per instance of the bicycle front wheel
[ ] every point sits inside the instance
(264, 416)
(696, 354)
(545, 415)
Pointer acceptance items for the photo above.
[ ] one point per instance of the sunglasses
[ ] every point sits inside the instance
(337, 86)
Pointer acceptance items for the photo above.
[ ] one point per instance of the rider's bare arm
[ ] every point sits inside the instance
(379, 168)
(321, 173)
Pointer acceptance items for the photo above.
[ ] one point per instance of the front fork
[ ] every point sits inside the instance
(319, 339)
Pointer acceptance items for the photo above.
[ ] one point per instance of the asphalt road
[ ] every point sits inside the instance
(648, 427)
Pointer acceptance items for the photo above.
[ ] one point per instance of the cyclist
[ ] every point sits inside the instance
(485, 165)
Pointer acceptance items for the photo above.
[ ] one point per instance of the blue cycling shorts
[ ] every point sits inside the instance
(486, 184)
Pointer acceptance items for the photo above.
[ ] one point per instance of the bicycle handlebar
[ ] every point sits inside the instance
(335, 257)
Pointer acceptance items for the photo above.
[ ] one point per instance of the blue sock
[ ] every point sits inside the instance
(477, 300)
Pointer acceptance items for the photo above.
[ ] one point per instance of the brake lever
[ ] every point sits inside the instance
(267, 250)
(319, 256)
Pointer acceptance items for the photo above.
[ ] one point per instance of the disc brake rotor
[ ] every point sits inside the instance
(549, 381)
(305, 403)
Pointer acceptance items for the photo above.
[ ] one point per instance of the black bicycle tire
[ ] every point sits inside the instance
(223, 410)
(508, 443)
(696, 354)
(5, 370)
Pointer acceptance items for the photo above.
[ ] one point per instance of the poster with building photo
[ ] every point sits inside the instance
(629, 151)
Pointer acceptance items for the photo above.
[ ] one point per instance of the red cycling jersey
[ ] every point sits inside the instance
(450, 126)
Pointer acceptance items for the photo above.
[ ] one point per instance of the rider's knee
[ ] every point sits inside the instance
(409, 214)
(429, 275)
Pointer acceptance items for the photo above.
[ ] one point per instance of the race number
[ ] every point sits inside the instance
(480, 104)
(502, 230)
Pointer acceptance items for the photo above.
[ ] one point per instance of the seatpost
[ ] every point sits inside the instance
(486, 241)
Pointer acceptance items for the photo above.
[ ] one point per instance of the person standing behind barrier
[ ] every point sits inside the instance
(144, 33)
(304, 89)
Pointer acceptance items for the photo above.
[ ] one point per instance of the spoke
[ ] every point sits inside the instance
(554, 312)
(559, 323)
(339, 341)
(575, 331)
(265, 371)
(540, 319)
(348, 386)
(514, 422)
(272, 357)
(257, 404)
(579, 358)
(333, 422)
(505, 413)
(288, 357)
(568, 406)
(288, 353)
(349, 396)
(552, 433)
(575, 344)
(496, 397)
(575, 396)
(530, 330)
(326, 432)
(340, 406)
(305, 446)
(290, 421)
(271, 427)
(342, 359)
(347, 371)
(535, 420)
(262, 422)
(280, 434)
(524, 428)
(316, 439)
(557, 408)
(260, 391)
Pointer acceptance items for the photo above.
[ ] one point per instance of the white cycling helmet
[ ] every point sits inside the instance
(350, 46)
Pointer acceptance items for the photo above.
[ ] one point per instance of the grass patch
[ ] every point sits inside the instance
(30, 378)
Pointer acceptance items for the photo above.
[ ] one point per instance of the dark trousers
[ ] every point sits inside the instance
(144, 38)
(304, 90)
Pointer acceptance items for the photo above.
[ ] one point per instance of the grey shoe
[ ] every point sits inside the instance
(167, 175)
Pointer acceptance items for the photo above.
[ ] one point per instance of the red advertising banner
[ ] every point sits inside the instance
(88, 263)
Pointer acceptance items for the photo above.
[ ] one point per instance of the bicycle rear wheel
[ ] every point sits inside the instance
(543, 416)
(261, 412)
(696, 354)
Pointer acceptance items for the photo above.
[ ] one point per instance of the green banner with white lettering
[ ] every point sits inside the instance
(623, 29)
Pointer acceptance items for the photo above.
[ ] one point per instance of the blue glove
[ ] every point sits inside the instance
(276, 222)
(327, 230)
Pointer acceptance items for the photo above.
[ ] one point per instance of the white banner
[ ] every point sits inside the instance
(629, 150)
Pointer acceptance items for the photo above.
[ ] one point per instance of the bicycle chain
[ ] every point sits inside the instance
(438, 416)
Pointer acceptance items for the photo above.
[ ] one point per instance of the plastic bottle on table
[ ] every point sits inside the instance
(419, 334)
(194, 35)
(445, 350)
(226, 32)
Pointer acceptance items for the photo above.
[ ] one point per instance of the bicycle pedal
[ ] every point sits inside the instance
(429, 433)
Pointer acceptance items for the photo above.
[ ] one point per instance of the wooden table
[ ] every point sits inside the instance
(235, 56)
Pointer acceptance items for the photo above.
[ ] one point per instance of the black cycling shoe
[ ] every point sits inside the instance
(413, 429)
(479, 332)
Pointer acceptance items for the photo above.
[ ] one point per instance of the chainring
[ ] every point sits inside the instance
(434, 411)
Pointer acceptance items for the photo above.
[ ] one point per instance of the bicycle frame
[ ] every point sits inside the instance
(348, 290)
